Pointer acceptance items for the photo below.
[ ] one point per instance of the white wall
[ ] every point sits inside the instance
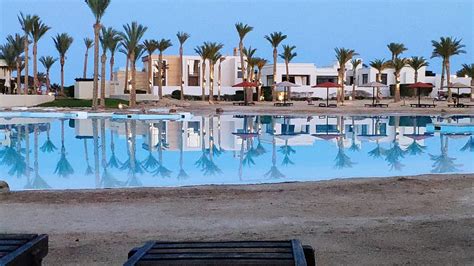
(24, 100)
(83, 89)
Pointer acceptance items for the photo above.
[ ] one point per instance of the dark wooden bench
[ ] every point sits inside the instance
(423, 105)
(283, 104)
(381, 105)
(243, 103)
(22, 249)
(331, 105)
(460, 105)
(260, 253)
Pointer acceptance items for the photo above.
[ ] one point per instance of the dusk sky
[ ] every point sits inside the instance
(315, 27)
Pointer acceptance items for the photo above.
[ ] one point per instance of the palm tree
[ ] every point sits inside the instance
(415, 148)
(88, 43)
(242, 30)
(445, 48)
(343, 56)
(396, 49)
(162, 45)
(63, 167)
(12, 50)
(398, 64)
(108, 36)
(249, 53)
(355, 63)
(260, 64)
(214, 57)
(203, 52)
(182, 37)
(27, 23)
(416, 63)
(113, 45)
(443, 163)
(48, 146)
(380, 65)
(9, 55)
(97, 8)
(150, 47)
(275, 39)
(124, 50)
(469, 71)
(38, 30)
(288, 55)
(62, 42)
(393, 156)
(48, 62)
(219, 81)
(132, 35)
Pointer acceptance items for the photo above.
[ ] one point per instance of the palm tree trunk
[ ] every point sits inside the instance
(35, 66)
(18, 77)
(48, 82)
(472, 88)
(95, 134)
(25, 79)
(379, 79)
(219, 82)
(211, 83)
(112, 61)
(242, 67)
(342, 85)
(275, 56)
(203, 81)
(354, 79)
(259, 88)
(150, 74)
(443, 67)
(103, 144)
(95, 87)
(103, 60)
(133, 92)
(181, 81)
(62, 75)
(125, 88)
(448, 79)
(288, 92)
(160, 75)
(416, 76)
(84, 74)
(397, 88)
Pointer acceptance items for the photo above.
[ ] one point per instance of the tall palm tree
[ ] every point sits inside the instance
(15, 45)
(162, 45)
(124, 50)
(48, 62)
(98, 8)
(398, 64)
(150, 47)
(113, 46)
(108, 36)
(214, 57)
(26, 23)
(445, 48)
(242, 30)
(380, 65)
(88, 43)
(396, 49)
(260, 64)
(203, 52)
(275, 39)
(132, 35)
(343, 56)
(182, 38)
(62, 43)
(355, 63)
(288, 54)
(249, 53)
(469, 71)
(38, 30)
(9, 55)
(416, 63)
(219, 81)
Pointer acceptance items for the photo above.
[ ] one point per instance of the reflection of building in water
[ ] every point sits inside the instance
(8, 127)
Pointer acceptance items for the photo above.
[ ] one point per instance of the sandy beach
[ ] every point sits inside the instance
(411, 220)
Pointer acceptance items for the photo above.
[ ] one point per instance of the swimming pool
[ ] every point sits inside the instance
(72, 153)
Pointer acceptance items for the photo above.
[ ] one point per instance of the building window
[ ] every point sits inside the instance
(270, 80)
(298, 79)
(322, 79)
(239, 73)
(384, 79)
(194, 72)
(365, 78)
(351, 80)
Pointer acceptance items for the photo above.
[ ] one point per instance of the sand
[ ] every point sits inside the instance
(425, 219)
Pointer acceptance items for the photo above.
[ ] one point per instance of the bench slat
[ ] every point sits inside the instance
(217, 250)
(228, 255)
(246, 244)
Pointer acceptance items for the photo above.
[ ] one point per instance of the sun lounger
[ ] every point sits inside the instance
(283, 104)
(423, 105)
(260, 253)
(460, 105)
(23, 249)
(331, 105)
(381, 105)
(243, 103)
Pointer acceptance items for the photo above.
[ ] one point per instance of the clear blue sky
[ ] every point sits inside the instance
(316, 27)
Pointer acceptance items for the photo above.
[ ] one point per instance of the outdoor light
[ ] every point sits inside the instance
(280, 97)
(120, 106)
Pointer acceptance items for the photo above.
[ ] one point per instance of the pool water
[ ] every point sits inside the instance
(49, 153)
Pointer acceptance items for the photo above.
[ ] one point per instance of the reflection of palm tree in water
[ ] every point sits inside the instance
(342, 160)
(162, 145)
(132, 164)
(274, 172)
(259, 150)
(14, 158)
(443, 163)
(114, 162)
(415, 148)
(108, 180)
(469, 146)
(354, 146)
(37, 182)
(150, 163)
(182, 174)
(86, 154)
(48, 146)
(395, 153)
(95, 135)
(63, 167)
(378, 151)
(206, 161)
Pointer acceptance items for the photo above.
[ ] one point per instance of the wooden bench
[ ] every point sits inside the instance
(283, 104)
(243, 103)
(260, 253)
(460, 105)
(22, 249)
(381, 105)
(423, 105)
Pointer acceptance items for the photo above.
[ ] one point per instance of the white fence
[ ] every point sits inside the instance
(24, 100)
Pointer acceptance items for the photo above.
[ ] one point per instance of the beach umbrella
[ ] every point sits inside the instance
(373, 85)
(327, 85)
(245, 84)
(418, 86)
(285, 85)
(458, 85)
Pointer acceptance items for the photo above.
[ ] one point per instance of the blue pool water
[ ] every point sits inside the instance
(51, 153)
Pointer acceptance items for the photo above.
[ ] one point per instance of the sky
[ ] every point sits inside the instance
(315, 27)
